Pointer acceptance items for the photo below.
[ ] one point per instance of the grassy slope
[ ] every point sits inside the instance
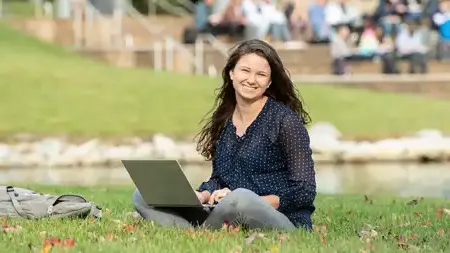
(343, 216)
(47, 90)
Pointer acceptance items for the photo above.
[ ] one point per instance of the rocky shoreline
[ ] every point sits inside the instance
(326, 142)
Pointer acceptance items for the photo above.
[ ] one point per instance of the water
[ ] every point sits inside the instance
(431, 180)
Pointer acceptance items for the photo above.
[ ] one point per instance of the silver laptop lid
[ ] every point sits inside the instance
(162, 183)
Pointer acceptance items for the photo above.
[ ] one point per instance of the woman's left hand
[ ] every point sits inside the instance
(217, 195)
(273, 200)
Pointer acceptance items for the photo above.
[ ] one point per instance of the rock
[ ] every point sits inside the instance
(388, 150)
(324, 128)
(430, 134)
(325, 142)
(165, 147)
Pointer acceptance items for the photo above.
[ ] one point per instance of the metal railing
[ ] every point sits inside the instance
(92, 30)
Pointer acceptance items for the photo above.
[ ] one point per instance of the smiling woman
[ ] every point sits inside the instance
(263, 173)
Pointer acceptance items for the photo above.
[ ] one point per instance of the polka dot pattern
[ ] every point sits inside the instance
(272, 157)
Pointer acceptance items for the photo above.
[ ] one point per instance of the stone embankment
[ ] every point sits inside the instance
(326, 142)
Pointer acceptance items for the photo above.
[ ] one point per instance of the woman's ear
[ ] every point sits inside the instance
(231, 74)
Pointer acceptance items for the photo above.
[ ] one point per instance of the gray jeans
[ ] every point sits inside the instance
(240, 207)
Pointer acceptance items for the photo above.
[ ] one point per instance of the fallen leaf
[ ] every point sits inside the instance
(129, 228)
(237, 249)
(250, 238)
(107, 212)
(366, 199)
(43, 235)
(4, 220)
(323, 240)
(413, 236)
(439, 213)
(401, 242)
(440, 232)
(426, 223)
(68, 242)
(320, 228)
(412, 202)
(417, 214)
(282, 238)
(46, 248)
(368, 235)
(110, 236)
(54, 241)
(11, 229)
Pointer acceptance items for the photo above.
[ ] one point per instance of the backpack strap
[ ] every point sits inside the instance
(12, 195)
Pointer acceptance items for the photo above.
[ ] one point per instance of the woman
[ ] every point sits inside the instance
(263, 173)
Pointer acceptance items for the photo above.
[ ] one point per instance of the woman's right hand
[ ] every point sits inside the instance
(217, 195)
(203, 196)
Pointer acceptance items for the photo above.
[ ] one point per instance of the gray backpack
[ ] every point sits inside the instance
(28, 204)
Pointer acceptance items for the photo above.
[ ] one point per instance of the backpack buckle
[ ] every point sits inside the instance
(9, 189)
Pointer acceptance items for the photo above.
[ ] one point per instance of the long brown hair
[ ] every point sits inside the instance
(281, 89)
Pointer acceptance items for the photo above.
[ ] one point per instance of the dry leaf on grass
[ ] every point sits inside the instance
(57, 242)
(252, 237)
(11, 229)
(440, 211)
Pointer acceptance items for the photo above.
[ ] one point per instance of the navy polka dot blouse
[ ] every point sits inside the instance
(272, 157)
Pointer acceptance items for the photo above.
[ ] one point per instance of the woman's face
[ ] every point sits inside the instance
(251, 76)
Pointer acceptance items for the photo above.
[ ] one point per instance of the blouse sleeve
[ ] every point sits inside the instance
(214, 182)
(295, 144)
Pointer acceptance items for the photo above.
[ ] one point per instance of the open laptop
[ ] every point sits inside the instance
(162, 183)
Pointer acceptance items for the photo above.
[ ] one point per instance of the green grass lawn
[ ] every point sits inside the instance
(47, 90)
(18, 8)
(387, 225)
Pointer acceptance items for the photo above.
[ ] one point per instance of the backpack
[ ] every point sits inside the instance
(28, 204)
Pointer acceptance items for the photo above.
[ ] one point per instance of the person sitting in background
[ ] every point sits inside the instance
(230, 22)
(386, 51)
(389, 14)
(411, 45)
(442, 20)
(263, 173)
(340, 49)
(278, 23)
(296, 13)
(317, 20)
(368, 42)
(414, 9)
(263, 18)
(202, 11)
(342, 12)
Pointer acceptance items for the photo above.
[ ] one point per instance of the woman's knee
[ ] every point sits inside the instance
(241, 200)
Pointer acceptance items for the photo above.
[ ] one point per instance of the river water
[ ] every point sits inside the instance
(427, 180)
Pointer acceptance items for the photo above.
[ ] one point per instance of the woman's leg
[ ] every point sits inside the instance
(162, 216)
(244, 207)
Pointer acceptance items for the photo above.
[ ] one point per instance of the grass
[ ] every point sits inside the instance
(47, 90)
(398, 225)
(18, 8)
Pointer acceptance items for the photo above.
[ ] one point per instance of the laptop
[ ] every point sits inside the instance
(163, 184)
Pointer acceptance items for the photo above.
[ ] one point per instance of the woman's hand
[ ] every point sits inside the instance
(273, 200)
(203, 196)
(217, 195)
